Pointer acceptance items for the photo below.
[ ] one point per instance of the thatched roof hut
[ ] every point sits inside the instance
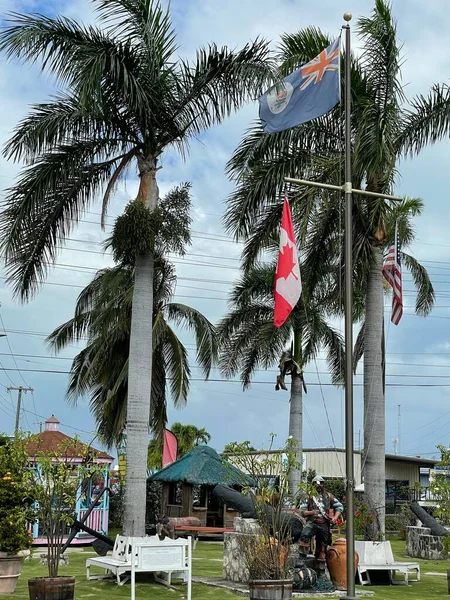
(188, 485)
(202, 466)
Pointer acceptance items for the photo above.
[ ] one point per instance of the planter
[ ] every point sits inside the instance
(268, 589)
(51, 588)
(10, 568)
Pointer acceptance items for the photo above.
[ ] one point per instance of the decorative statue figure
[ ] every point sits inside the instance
(321, 511)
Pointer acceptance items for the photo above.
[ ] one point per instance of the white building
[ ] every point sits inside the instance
(401, 471)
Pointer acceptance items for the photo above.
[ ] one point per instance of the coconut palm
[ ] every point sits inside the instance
(384, 129)
(250, 340)
(100, 370)
(125, 97)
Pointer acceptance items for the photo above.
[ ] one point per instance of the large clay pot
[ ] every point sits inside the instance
(10, 568)
(51, 588)
(337, 563)
(268, 589)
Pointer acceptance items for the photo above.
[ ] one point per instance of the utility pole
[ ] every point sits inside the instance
(19, 391)
(398, 426)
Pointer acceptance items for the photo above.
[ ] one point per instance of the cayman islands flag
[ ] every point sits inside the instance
(305, 94)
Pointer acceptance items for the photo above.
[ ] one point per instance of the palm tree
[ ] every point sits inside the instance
(250, 340)
(103, 314)
(125, 98)
(385, 129)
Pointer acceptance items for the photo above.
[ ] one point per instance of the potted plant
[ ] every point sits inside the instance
(15, 512)
(59, 476)
(266, 554)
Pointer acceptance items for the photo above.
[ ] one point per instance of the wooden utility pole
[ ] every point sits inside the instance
(19, 391)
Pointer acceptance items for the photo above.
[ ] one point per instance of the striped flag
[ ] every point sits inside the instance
(392, 272)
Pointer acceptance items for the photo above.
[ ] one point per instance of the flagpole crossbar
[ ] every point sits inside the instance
(342, 188)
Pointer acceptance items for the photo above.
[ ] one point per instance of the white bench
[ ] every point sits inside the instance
(377, 556)
(118, 564)
(162, 556)
(150, 555)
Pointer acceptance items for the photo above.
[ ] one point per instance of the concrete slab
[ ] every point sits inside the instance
(241, 589)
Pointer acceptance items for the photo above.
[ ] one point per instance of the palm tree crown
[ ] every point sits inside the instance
(100, 370)
(126, 99)
(250, 340)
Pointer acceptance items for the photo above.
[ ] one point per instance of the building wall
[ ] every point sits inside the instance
(329, 463)
(397, 470)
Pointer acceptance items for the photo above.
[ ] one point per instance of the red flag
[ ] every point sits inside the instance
(288, 285)
(392, 272)
(170, 448)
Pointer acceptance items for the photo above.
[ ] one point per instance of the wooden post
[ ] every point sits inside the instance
(187, 500)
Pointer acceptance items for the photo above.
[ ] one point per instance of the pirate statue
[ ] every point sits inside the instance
(321, 511)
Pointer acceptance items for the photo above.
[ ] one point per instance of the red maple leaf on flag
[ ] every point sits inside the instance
(286, 263)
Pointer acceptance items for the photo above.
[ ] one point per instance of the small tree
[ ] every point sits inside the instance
(266, 555)
(58, 478)
(440, 485)
(15, 502)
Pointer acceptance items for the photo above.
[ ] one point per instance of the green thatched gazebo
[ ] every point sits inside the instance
(188, 484)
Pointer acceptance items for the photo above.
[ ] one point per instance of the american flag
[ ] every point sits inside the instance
(392, 272)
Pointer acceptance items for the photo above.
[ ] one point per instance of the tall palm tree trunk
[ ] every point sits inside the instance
(374, 401)
(140, 371)
(296, 418)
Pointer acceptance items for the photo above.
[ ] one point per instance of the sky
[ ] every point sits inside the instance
(418, 349)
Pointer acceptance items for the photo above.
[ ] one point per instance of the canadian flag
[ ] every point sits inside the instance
(288, 284)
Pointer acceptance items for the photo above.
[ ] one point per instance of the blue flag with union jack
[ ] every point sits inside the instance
(305, 94)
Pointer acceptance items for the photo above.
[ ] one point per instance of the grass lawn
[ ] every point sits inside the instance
(208, 562)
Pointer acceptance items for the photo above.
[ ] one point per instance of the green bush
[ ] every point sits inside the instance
(15, 501)
(335, 487)
(393, 522)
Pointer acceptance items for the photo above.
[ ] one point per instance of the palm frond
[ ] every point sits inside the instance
(260, 170)
(381, 57)
(427, 122)
(112, 183)
(43, 208)
(296, 49)
(358, 349)
(84, 58)
(218, 83)
(158, 405)
(425, 292)
(55, 123)
(177, 366)
(204, 330)
(144, 22)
